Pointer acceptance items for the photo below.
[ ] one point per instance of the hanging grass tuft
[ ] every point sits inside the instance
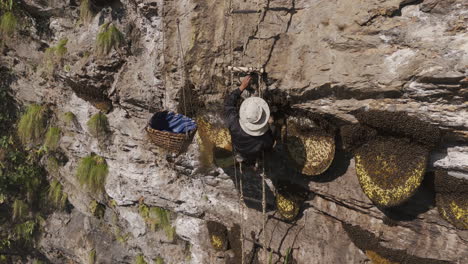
(140, 259)
(52, 138)
(53, 56)
(98, 125)
(92, 256)
(98, 210)
(158, 217)
(69, 118)
(86, 12)
(109, 37)
(32, 124)
(159, 260)
(25, 231)
(20, 209)
(56, 194)
(92, 172)
(8, 24)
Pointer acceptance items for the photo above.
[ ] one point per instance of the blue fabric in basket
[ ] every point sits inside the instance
(172, 122)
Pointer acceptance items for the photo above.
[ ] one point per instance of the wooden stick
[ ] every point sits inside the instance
(245, 69)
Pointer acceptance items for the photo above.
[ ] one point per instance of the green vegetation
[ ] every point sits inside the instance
(32, 124)
(23, 184)
(140, 259)
(53, 56)
(8, 24)
(20, 209)
(157, 216)
(98, 125)
(159, 260)
(69, 118)
(288, 256)
(52, 138)
(92, 172)
(122, 238)
(98, 210)
(86, 12)
(25, 230)
(109, 37)
(52, 164)
(56, 194)
(6, 4)
(92, 256)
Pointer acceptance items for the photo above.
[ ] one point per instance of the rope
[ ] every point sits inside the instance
(163, 22)
(182, 75)
(241, 201)
(265, 251)
(241, 191)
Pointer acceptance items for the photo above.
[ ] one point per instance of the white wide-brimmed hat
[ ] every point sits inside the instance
(253, 116)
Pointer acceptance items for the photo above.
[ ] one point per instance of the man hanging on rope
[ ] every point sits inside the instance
(250, 127)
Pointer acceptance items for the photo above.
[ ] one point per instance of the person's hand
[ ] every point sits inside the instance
(245, 82)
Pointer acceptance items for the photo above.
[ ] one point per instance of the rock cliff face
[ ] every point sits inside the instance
(324, 60)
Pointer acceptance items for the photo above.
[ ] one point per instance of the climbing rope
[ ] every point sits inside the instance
(265, 252)
(241, 191)
(163, 22)
(260, 91)
(183, 75)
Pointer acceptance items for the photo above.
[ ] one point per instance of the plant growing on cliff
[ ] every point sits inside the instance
(92, 172)
(69, 118)
(56, 194)
(140, 259)
(20, 209)
(157, 216)
(25, 231)
(53, 56)
(86, 12)
(52, 138)
(8, 24)
(159, 260)
(110, 37)
(98, 210)
(98, 125)
(32, 124)
(92, 256)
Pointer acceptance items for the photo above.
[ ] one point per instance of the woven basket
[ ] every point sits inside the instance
(173, 142)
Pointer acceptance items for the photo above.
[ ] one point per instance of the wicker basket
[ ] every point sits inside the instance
(173, 142)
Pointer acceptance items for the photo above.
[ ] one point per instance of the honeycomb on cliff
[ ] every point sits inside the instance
(390, 170)
(452, 199)
(400, 124)
(377, 259)
(215, 144)
(310, 147)
(289, 199)
(218, 235)
(354, 136)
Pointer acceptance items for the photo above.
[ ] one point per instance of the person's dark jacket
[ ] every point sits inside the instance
(250, 147)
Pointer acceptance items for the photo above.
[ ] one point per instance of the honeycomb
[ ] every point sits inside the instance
(390, 170)
(211, 137)
(312, 149)
(217, 242)
(287, 207)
